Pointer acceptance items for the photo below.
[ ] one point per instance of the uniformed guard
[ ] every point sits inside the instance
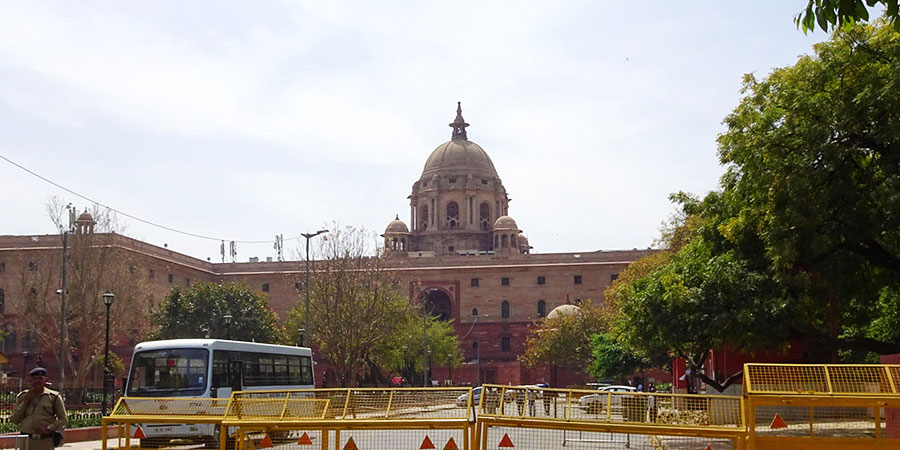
(39, 412)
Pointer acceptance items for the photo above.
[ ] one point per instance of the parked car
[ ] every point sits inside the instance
(596, 403)
(463, 399)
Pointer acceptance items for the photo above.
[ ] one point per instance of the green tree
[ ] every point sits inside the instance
(802, 242)
(418, 340)
(612, 359)
(354, 304)
(200, 310)
(717, 290)
(94, 263)
(842, 13)
(813, 165)
(564, 340)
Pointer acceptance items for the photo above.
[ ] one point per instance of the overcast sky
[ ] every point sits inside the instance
(243, 120)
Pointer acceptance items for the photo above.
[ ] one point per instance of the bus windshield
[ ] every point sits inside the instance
(169, 372)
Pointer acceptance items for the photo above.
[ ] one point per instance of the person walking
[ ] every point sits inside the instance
(39, 412)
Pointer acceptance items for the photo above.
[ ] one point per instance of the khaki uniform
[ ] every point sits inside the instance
(47, 410)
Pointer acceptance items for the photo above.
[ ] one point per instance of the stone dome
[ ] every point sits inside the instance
(459, 157)
(85, 217)
(505, 223)
(396, 226)
(563, 311)
(522, 240)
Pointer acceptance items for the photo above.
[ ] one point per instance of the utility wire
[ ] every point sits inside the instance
(147, 222)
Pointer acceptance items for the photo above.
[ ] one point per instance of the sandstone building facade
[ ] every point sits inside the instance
(462, 253)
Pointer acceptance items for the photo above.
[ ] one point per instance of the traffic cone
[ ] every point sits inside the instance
(506, 442)
(426, 444)
(139, 434)
(266, 442)
(304, 440)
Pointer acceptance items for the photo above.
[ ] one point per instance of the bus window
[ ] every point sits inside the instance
(177, 372)
(306, 373)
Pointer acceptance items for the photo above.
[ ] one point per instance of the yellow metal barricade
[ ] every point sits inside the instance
(783, 406)
(166, 422)
(360, 418)
(822, 406)
(557, 418)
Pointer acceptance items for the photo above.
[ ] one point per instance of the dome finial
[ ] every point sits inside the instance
(459, 124)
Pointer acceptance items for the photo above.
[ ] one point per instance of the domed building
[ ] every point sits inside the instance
(460, 255)
(465, 259)
(458, 205)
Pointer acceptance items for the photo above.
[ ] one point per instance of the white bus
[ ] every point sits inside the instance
(211, 368)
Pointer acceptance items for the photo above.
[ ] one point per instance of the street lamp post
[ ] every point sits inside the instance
(309, 236)
(405, 366)
(302, 332)
(227, 318)
(425, 341)
(108, 298)
(427, 367)
(450, 368)
(478, 358)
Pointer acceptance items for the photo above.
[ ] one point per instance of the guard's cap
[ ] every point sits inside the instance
(38, 371)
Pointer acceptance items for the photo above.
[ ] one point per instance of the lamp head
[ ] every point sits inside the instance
(108, 297)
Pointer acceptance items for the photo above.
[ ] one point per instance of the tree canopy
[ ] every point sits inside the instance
(802, 241)
(814, 169)
(93, 266)
(843, 13)
(419, 340)
(201, 309)
(355, 304)
(564, 340)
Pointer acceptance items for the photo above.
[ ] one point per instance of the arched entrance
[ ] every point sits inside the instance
(437, 303)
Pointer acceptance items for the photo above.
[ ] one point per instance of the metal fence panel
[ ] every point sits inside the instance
(705, 411)
(503, 437)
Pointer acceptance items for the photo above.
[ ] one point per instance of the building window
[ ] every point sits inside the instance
(33, 266)
(423, 219)
(504, 343)
(474, 282)
(541, 280)
(504, 309)
(452, 181)
(475, 345)
(265, 287)
(504, 281)
(298, 286)
(484, 216)
(577, 279)
(187, 282)
(613, 277)
(2, 267)
(542, 308)
(450, 248)
(152, 274)
(452, 215)
(474, 311)
(171, 278)
(2, 302)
